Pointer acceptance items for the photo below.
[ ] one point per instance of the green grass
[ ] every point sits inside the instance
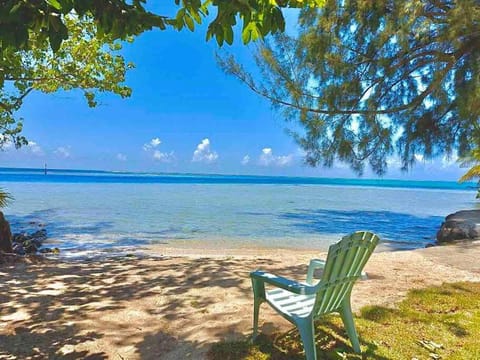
(433, 323)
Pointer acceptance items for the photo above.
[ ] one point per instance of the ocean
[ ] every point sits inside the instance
(94, 212)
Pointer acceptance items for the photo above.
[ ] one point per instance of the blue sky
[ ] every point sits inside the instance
(185, 115)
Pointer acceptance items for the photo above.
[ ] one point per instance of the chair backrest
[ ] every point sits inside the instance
(344, 265)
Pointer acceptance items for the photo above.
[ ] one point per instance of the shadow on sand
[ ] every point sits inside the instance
(121, 308)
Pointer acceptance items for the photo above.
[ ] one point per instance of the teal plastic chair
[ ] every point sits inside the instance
(303, 302)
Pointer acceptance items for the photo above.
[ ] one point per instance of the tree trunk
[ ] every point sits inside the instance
(5, 235)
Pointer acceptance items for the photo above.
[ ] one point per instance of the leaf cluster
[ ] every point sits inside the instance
(121, 18)
(5, 198)
(84, 61)
(23, 22)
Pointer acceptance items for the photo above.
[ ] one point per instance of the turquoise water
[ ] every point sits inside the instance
(87, 211)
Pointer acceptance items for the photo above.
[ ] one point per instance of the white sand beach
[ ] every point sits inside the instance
(175, 304)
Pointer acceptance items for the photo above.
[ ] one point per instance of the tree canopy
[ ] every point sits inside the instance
(121, 18)
(367, 80)
(84, 61)
(48, 45)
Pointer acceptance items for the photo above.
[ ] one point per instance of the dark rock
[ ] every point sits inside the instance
(50, 250)
(20, 238)
(30, 247)
(5, 235)
(18, 249)
(30, 243)
(39, 235)
(462, 225)
(36, 242)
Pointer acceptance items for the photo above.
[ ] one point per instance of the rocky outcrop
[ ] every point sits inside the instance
(462, 225)
(24, 243)
(5, 235)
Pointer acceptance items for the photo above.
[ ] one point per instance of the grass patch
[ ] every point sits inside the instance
(433, 323)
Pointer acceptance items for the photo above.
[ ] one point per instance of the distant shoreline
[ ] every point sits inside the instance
(30, 175)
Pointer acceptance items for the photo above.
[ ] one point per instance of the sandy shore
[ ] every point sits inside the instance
(175, 305)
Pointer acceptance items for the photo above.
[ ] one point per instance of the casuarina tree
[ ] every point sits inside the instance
(365, 81)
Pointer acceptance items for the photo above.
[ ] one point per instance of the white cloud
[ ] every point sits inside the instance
(284, 160)
(164, 157)
(121, 157)
(203, 153)
(63, 151)
(155, 142)
(152, 148)
(34, 148)
(245, 160)
(267, 158)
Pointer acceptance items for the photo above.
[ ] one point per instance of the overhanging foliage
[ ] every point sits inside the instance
(371, 80)
(84, 61)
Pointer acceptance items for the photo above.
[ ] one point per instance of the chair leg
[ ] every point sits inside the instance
(258, 298)
(347, 318)
(256, 310)
(307, 334)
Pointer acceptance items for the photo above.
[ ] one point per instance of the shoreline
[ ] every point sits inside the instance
(201, 250)
(176, 304)
(248, 251)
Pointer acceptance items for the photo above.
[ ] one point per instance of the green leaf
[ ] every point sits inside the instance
(229, 35)
(15, 8)
(189, 22)
(55, 4)
(180, 14)
(219, 37)
(278, 19)
(246, 35)
(251, 32)
(196, 16)
(55, 41)
(210, 34)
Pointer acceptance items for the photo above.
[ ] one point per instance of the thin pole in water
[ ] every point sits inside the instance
(45, 168)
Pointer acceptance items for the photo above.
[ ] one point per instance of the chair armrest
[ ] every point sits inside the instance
(284, 283)
(314, 264)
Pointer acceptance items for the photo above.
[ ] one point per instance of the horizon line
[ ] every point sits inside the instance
(42, 169)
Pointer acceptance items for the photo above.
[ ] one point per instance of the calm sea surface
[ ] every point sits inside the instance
(86, 211)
